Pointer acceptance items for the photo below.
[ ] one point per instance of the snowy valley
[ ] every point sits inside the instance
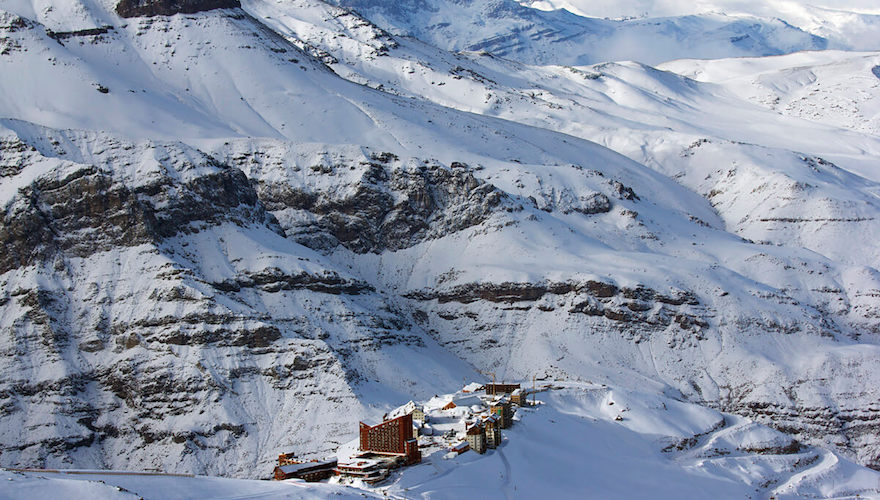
(236, 230)
(678, 450)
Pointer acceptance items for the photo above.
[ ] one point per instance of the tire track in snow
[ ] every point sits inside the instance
(505, 483)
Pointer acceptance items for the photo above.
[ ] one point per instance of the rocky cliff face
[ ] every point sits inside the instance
(141, 8)
(51, 215)
(112, 311)
(379, 203)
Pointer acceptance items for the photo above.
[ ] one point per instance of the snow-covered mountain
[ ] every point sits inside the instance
(850, 24)
(234, 232)
(507, 28)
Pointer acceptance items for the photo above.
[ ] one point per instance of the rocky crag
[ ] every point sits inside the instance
(138, 8)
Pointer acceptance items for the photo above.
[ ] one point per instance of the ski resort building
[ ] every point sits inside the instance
(287, 458)
(308, 471)
(369, 471)
(472, 387)
(476, 437)
(462, 400)
(499, 389)
(503, 409)
(417, 412)
(460, 448)
(391, 437)
(518, 397)
(493, 430)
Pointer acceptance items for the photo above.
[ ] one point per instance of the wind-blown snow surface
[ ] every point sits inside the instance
(506, 28)
(594, 442)
(100, 485)
(834, 88)
(216, 249)
(849, 24)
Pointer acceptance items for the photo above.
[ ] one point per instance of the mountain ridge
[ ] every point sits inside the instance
(508, 29)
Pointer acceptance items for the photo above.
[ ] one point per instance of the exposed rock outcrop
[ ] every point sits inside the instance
(9, 24)
(386, 205)
(592, 298)
(274, 279)
(138, 8)
(56, 213)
